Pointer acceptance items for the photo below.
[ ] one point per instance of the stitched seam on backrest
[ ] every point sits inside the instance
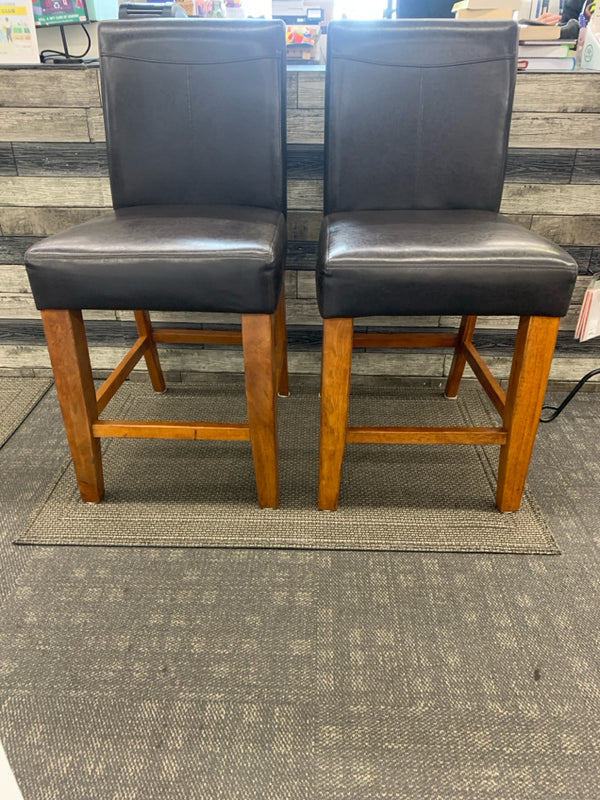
(419, 138)
(412, 65)
(191, 62)
(189, 101)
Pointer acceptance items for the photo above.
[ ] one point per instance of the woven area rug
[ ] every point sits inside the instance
(17, 397)
(202, 494)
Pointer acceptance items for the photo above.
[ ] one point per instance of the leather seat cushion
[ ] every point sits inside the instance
(439, 262)
(171, 258)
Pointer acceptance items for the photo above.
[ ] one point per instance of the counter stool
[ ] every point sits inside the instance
(417, 122)
(195, 126)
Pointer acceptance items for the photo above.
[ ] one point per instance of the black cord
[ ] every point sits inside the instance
(66, 55)
(568, 398)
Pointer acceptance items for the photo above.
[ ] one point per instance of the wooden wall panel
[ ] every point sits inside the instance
(554, 130)
(95, 123)
(12, 248)
(306, 127)
(540, 165)
(44, 125)
(47, 87)
(13, 279)
(569, 229)
(566, 93)
(292, 90)
(55, 191)
(43, 220)
(304, 225)
(547, 198)
(58, 158)
(8, 164)
(311, 90)
(586, 168)
(17, 306)
(302, 194)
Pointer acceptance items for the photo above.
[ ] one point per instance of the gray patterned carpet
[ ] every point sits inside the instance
(247, 674)
(178, 493)
(17, 397)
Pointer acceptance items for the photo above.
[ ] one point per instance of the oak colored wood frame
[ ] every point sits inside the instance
(264, 342)
(519, 408)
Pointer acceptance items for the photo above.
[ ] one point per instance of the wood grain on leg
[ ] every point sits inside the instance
(283, 380)
(67, 345)
(335, 400)
(144, 326)
(465, 335)
(534, 348)
(258, 335)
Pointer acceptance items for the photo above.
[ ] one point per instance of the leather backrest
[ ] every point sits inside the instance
(418, 113)
(194, 111)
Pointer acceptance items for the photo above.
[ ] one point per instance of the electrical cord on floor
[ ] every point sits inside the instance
(568, 398)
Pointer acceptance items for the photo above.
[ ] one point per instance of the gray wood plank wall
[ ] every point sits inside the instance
(53, 174)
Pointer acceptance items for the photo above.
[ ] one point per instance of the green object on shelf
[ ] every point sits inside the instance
(217, 9)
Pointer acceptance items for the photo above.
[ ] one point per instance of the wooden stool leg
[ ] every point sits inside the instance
(67, 344)
(258, 337)
(465, 334)
(335, 400)
(534, 348)
(283, 380)
(144, 326)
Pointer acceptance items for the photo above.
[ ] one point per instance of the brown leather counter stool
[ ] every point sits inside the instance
(417, 121)
(195, 126)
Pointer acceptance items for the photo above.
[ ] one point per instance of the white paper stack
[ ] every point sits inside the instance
(486, 9)
(588, 324)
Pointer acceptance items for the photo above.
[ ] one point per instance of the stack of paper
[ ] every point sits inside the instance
(486, 9)
(537, 31)
(547, 55)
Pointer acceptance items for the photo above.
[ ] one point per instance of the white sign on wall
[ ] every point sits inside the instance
(18, 39)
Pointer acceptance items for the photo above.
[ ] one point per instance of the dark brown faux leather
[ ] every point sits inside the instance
(439, 262)
(195, 128)
(193, 111)
(417, 122)
(176, 258)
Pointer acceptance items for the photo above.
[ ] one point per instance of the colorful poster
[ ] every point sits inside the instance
(59, 12)
(18, 40)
